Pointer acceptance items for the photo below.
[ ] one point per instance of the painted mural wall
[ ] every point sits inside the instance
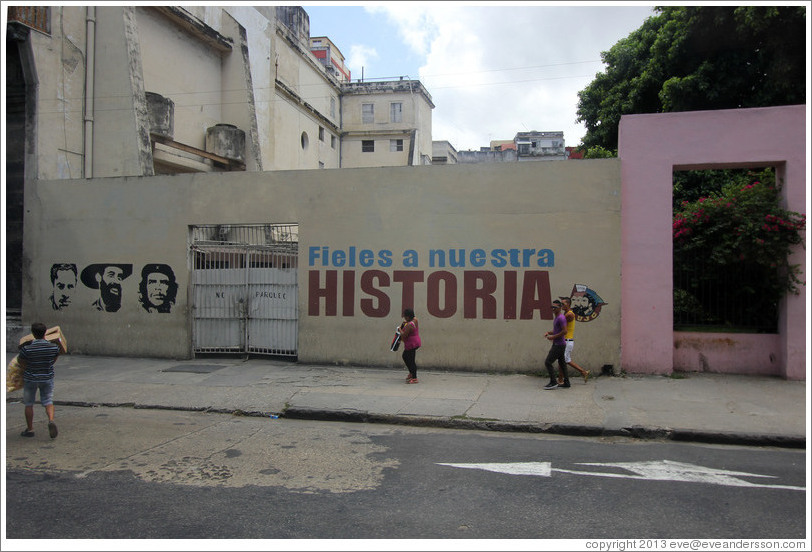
(479, 252)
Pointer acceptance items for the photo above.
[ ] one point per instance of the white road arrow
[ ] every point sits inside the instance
(514, 468)
(656, 470)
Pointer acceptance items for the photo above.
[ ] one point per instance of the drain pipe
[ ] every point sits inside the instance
(90, 57)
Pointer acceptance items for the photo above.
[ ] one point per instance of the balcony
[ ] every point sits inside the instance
(33, 17)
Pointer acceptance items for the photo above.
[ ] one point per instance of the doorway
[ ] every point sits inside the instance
(244, 291)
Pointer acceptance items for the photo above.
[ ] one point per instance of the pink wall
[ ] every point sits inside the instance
(650, 148)
(728, 353)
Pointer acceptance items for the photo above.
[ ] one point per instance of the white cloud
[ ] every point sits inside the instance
(413, 21)
(493, 71)
(361, 55)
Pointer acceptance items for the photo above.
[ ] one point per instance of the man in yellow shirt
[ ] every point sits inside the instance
(570, 339)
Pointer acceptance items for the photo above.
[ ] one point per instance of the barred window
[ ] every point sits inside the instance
(395, 145)
(368, 146)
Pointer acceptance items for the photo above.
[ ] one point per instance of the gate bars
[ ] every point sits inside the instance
(244, 296)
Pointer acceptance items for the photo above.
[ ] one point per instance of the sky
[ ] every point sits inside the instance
(491, 70)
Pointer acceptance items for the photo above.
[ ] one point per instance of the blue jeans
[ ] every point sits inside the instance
(46, 392)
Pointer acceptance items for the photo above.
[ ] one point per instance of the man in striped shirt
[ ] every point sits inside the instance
(38, 359)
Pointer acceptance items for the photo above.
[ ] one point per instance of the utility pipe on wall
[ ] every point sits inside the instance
(90, 62)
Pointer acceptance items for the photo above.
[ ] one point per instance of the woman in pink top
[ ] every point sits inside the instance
(410, 337)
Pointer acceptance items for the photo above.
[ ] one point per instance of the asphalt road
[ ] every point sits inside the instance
(123, 473)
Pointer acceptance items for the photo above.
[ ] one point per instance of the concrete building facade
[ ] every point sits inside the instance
(386, 123)
(443, 153)
(535, 146)
(525, 146)
(331, 57)
(111, 91)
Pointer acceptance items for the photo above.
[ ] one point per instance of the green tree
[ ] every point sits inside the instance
(597, 152)
(687, 58)
(689, 186)
(731, 251)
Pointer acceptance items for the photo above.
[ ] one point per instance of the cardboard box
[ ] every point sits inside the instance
(54, 335)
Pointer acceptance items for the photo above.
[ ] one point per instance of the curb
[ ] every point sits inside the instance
(635, 432)
(356, 416)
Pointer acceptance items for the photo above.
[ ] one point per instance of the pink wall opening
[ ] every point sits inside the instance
(650, 148)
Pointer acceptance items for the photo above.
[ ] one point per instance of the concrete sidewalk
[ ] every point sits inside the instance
(715, 408)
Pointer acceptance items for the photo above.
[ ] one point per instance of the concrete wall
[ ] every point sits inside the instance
(651, 147)
(503, 156)
(301, 106)
(58, 81)
(167, 53)
(477, 251)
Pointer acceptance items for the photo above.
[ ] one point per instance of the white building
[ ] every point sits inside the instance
(114, 91)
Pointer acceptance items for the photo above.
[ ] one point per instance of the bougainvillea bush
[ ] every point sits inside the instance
(731, 254)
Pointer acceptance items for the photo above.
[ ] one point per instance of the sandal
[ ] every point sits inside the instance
(412, 380)
(27, 433)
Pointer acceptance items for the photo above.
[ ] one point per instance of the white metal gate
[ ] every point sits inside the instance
(244, 289)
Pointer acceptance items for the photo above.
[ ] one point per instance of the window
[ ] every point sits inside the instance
(332, 141)
(396, 112)
(321, 134)
(395, 145)
(368, 146)
(305, 140)
(367, 113)
(332, 106)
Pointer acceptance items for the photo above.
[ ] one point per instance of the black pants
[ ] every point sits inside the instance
(408, 359)
(556, 353)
